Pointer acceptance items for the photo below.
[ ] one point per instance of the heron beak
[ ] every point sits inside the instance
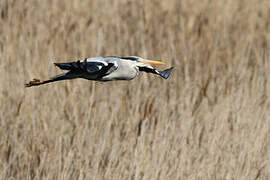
(145, 61)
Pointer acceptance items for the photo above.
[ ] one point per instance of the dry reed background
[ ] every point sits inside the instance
(209, 120)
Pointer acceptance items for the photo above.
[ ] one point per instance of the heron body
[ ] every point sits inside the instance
(107, 68)
(113, 69)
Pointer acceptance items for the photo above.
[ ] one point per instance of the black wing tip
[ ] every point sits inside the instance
(57, 64)
(166, 73)
(63, 66)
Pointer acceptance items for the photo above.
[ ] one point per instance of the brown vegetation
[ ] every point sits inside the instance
(209, 120)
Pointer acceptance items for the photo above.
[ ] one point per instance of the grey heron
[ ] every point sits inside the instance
(106, 68)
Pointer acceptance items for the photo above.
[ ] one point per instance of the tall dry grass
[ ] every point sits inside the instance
(209, 120)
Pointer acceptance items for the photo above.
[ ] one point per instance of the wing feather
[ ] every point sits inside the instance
(91, 68)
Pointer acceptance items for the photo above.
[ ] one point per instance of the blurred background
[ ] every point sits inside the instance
(209, 120)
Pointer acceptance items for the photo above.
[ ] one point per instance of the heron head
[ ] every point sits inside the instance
(140, 62)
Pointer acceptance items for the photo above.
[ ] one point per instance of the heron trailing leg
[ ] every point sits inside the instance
(37, 82)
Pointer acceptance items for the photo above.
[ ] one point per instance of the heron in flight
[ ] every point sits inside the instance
(107, 68)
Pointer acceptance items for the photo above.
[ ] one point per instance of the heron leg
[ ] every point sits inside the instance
(63, 76)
